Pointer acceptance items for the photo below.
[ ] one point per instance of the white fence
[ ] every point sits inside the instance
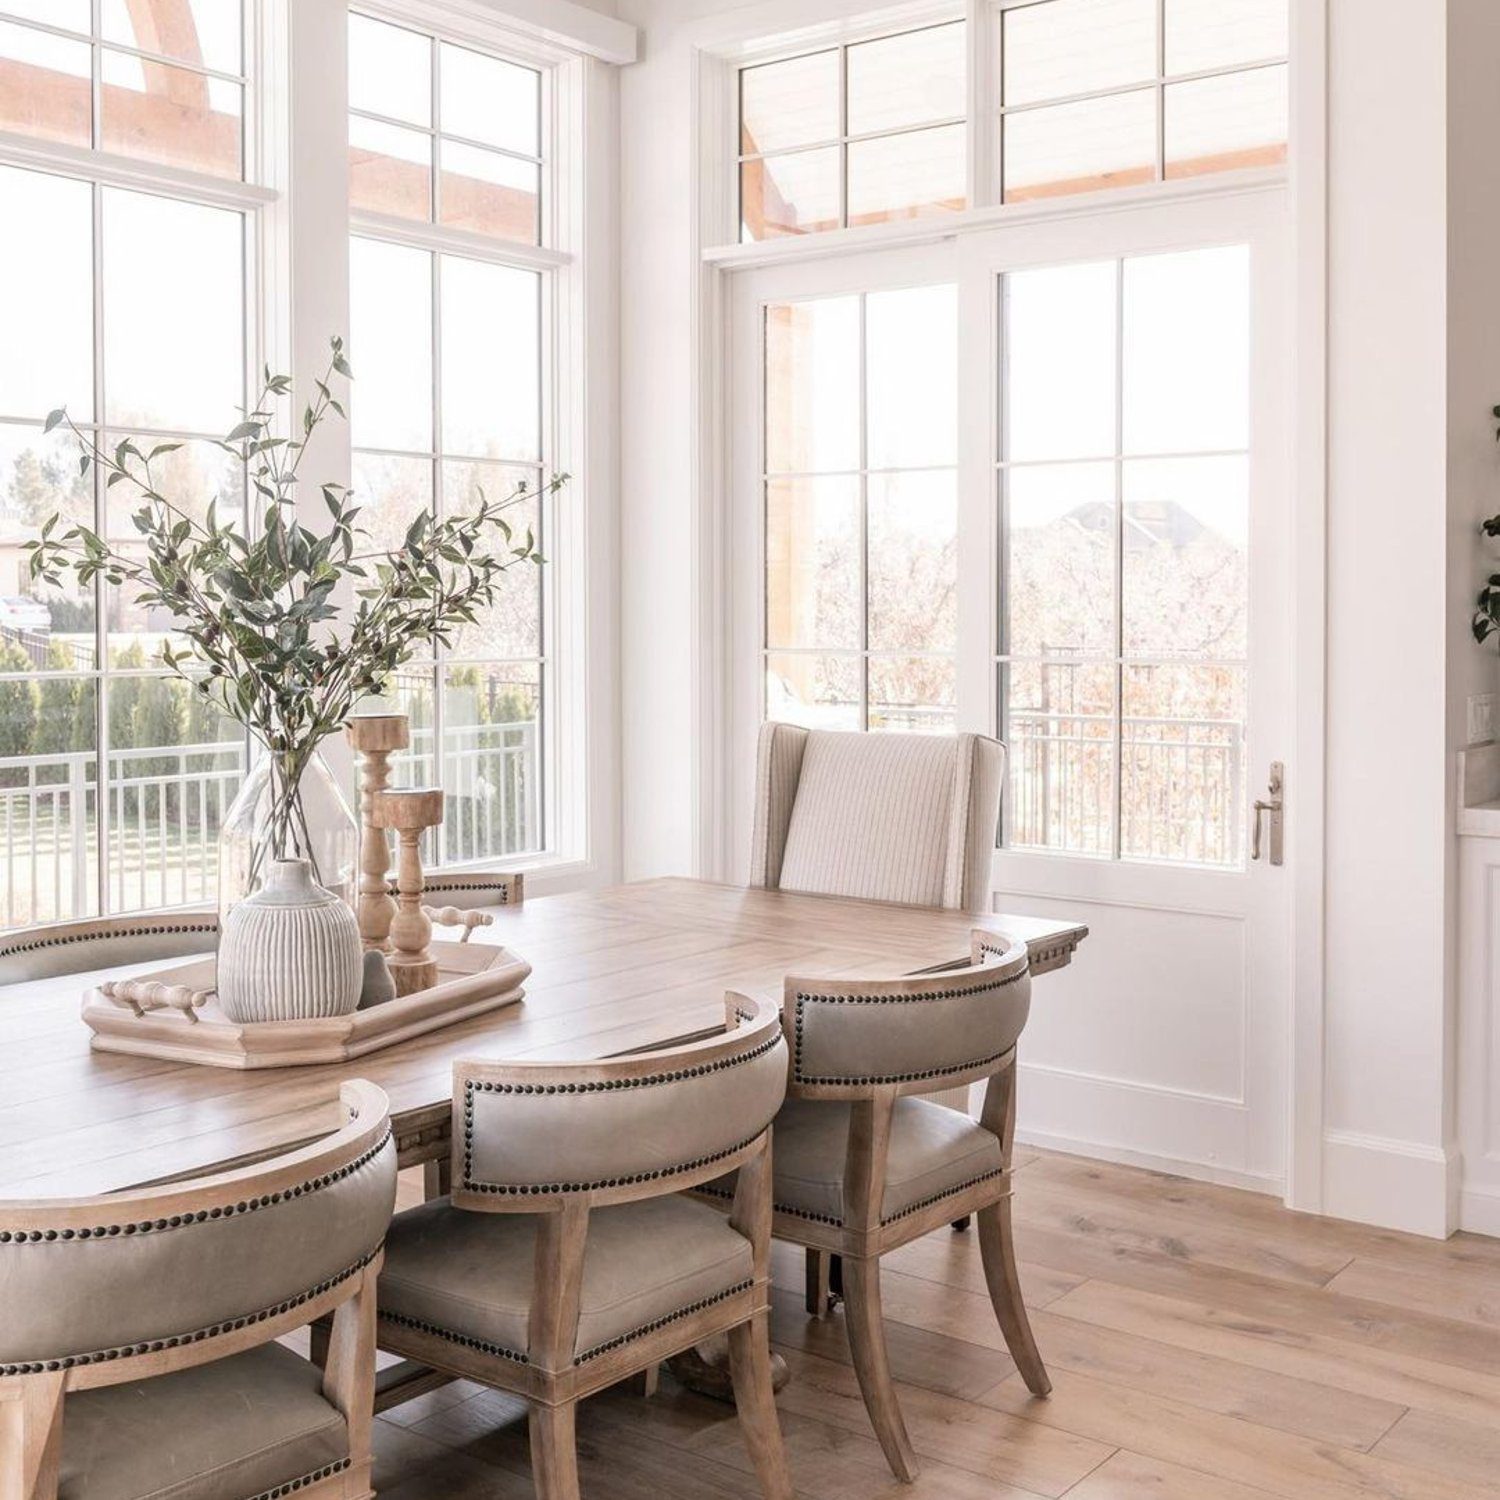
(1181, 787)
(164, 807)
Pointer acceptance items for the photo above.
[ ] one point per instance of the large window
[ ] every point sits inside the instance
(1112, 93)
(129, 307)
(860, 486)
(448, 351)
(1124, 484)
(861, 134)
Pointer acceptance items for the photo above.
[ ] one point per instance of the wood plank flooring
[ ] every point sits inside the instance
(1205, 1345)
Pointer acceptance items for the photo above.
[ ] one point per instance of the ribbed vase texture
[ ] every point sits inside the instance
(290, 952)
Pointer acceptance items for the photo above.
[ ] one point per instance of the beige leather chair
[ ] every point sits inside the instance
(566, 1258)
(28, 954)
(138, 1353)
(909, 818)
(864, 1166)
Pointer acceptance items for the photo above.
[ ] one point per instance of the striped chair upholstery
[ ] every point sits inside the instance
(908, 818)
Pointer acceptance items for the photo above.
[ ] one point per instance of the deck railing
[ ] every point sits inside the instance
(164, 806)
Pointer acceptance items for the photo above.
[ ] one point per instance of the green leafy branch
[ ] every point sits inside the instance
(1486, 619)
(287, 630)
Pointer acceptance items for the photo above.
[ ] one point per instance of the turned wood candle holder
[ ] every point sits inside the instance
(375, 738)
(408, 813)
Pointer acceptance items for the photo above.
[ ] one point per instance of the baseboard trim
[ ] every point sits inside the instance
(1479, 1210)
(1173, 1166)
(1394, 1184)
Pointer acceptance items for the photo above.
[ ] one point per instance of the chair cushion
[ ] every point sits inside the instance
(934, 1151)
(238, 1427)
(470, 1274)
(873, 817)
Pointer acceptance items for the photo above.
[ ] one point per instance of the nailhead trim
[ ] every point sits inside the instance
(804, 1000)
(551, 1189)
(176, 1341)
(206, 925)
(464, 1341)
(438, 886)
(203, 1215)
(647, 1328)
(293, 1485)
(605, 1086)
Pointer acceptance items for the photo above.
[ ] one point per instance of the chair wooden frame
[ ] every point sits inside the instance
(33, 1405)
(863, 1236)
(551, 1379)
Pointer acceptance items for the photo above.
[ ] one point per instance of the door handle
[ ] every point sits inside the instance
(1273, 805)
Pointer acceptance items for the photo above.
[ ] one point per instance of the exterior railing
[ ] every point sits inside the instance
(165, 805)
(1181, 787)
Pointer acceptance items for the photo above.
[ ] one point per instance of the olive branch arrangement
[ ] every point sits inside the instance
(273, 640)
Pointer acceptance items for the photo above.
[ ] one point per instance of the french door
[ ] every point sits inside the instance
(1033, 481)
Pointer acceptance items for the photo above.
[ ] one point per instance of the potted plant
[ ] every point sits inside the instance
(287, 630)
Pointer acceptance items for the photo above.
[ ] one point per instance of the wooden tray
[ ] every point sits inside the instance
(473, 978)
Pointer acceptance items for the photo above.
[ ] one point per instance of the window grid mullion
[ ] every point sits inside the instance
(1118, 780)
(101, 588)
(1161, 91)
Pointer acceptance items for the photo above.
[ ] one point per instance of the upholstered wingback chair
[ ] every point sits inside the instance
(909, 818)
(138, 1353)
(863, 1165)
(566, 1259)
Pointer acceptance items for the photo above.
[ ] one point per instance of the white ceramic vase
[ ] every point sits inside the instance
(290, 952)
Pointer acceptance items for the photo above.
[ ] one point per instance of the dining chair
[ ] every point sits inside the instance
(28, 954)
(909, 818)
(566, 1257)
(138, 1353)
(863, 1165)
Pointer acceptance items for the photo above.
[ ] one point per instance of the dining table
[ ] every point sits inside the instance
(614, 970)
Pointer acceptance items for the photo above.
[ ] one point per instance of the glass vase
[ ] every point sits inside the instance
(273, 819)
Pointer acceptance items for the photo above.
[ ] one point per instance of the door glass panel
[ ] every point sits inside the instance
(816, 691)
(861, 519)
(1185, 561)
(911, 358)
(1060, 732)
(1059, 393)
(1059, 527)
(1187, 352)
(812, 563)
(812, 386)
(1158, 776)
(1182, 759)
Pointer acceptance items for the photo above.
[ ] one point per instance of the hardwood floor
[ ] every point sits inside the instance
(1205, 1344)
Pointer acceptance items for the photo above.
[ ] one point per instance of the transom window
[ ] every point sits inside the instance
(1102, 94)
(861, 512)
(1124, 489)
(443, 134)
(858, 134)
(159, 80)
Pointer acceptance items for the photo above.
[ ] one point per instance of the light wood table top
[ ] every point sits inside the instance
(613, 971)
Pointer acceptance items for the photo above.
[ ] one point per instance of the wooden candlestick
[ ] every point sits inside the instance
(375, 737)
(409, 813)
